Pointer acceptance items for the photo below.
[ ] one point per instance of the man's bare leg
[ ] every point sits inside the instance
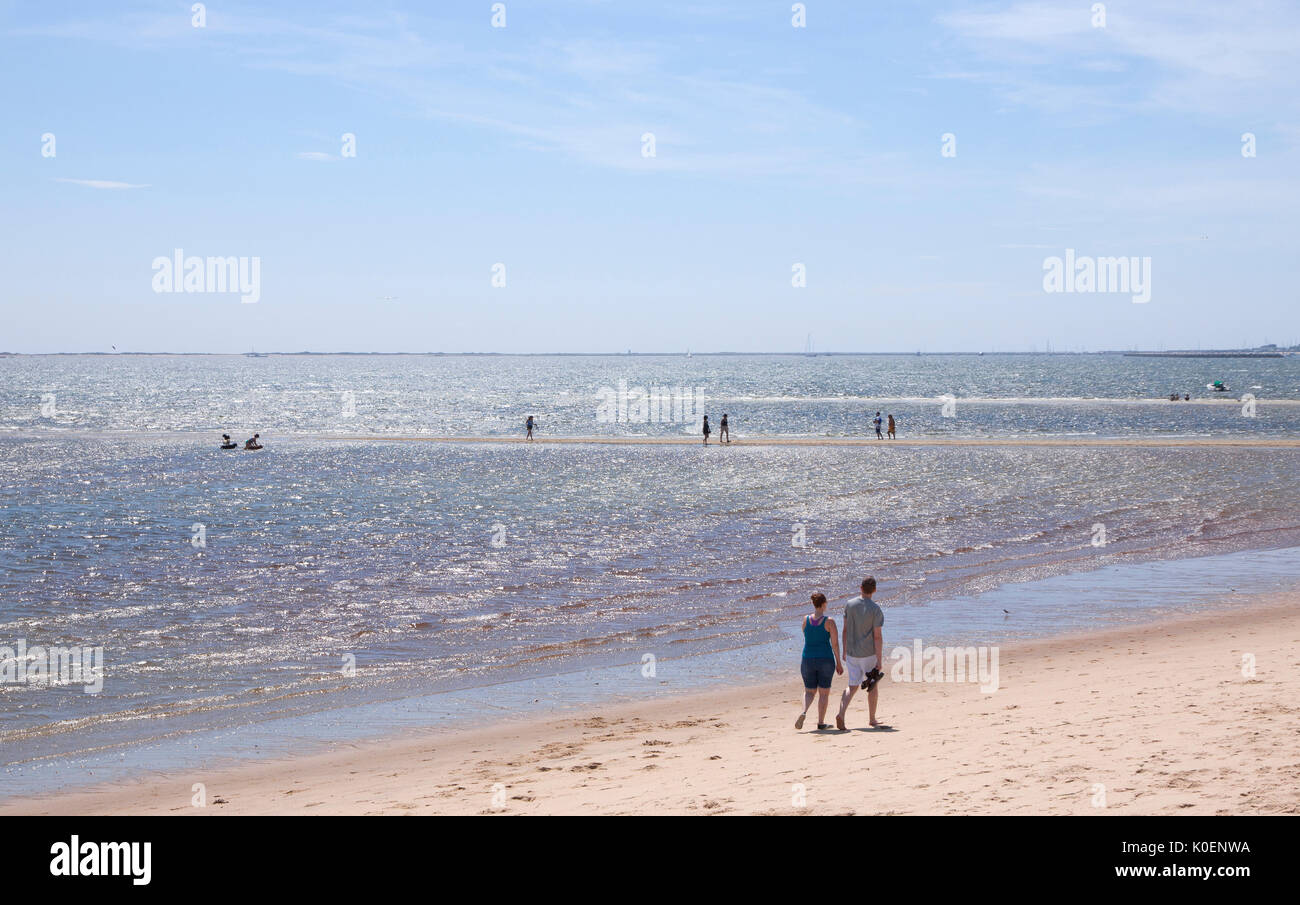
(872, 696)
(844, 705)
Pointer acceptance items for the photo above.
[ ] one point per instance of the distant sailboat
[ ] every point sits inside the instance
(808, 347)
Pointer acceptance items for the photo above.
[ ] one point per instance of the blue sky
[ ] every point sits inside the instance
(774, 145)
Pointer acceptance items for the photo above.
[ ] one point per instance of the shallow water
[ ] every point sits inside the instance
(442, 570)
(1086, 395)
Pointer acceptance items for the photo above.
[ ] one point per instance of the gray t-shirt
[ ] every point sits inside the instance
(862, 616)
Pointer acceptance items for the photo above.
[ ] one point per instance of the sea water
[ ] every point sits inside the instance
(249, 604)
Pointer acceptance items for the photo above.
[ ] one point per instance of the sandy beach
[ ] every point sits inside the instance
(1155, 719)
(1012, 441)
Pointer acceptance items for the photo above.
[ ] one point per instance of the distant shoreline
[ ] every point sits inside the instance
(1210, 353)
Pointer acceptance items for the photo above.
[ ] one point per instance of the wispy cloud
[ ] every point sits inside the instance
(102, 183)
(590, 97)
(315, 155)
(1202, 58)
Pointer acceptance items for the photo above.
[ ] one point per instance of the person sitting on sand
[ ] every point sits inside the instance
(863, 646)
(891, 427)
(706, 430)
(821, 655)
(227, 443)
(252, 443)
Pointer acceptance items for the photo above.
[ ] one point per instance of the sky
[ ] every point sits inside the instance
(587, 176)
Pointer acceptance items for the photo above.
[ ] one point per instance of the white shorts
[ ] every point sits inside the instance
(858, 668)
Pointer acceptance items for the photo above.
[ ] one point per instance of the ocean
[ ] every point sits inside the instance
(349, 580)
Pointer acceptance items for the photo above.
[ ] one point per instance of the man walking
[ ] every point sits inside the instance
(863, 648)
(876, 422)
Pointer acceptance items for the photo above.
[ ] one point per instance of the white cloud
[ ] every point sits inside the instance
(1213, 58)
(590, 98)
(102, 183)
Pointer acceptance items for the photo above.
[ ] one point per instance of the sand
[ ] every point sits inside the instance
(1017, 440)
(1156, 719)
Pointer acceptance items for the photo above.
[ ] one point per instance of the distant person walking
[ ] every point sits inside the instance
(891, 427)
(877, 422)
(724, 434)
(529, 424)
(863, 646)
(821, 661)
(707, 430)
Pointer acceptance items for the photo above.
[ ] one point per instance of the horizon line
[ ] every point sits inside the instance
(1254, 351)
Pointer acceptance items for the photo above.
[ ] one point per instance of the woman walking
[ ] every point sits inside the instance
(821, 660)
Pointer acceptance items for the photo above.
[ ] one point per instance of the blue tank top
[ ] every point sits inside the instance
(816, 640)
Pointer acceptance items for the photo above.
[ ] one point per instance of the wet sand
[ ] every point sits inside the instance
(1155, 719)
(1153, 442)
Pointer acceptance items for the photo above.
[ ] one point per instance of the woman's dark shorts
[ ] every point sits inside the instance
(817, 671)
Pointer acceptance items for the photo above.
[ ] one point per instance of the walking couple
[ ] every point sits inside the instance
(863, 649)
